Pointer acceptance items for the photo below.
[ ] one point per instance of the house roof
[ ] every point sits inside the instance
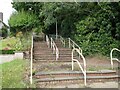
(4, 23)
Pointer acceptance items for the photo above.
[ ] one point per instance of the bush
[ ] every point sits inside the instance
(95, 36)
(3, 32)
(23, 43)
(22, 21)
(7, 51)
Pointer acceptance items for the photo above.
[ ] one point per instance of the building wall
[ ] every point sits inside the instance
(1, 16)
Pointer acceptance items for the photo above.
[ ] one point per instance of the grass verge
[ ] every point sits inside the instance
(13, 74)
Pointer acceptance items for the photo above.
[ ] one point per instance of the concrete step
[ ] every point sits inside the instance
(47, 54)
(51, 60)
(42, 49)
(45, 58)
(65, 52)
(64, 49)
(57, 78)
(57, 74)
(40, 43)
(42, 52)
(90, 79)
(51, 53)
(49, 50)
(39, 46)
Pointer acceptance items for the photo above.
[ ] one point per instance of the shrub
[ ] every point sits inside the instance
(7, 51)
(95, 36)
(22, 21)
(3, 32)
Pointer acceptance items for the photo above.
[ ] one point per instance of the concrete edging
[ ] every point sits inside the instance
(10, 57)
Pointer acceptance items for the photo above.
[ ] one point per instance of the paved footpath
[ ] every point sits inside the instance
(93, 85)
(104, 85)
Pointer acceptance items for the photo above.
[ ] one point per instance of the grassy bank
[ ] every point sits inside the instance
(16, 43)
(8, 41)
(13, 74)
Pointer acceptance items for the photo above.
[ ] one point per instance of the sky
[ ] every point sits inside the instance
(6, 9)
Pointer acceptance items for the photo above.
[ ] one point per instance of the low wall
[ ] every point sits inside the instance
(9, 57)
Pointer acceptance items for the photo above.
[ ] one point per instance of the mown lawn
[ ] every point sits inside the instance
(13, 74)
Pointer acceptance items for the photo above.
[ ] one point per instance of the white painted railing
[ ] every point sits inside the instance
(83, 69)
(71, 42)
(48, 41)
(55, 49)
(31, 60)
(74, 45)
(111, 57)
(62, 40)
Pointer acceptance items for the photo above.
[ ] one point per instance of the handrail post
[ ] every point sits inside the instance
(62, 40)
(31, 61)
(47, 41)
(72, 62)
(85, 76)
(85, 79)
(112, 57)
(51, 42)
(64, 43)
(73, 46)
(69, 42)
(55, 49)
(56, 54)
(83, 69)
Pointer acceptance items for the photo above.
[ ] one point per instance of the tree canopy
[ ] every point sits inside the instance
(94, 26)
(22, 21)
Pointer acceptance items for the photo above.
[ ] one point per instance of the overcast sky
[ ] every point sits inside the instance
(6, 8)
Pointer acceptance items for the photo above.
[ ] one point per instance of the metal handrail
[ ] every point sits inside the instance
(55, 49)
(83, 69)
(71, 42)
(111, 57)
(48, 41)
(62, 40)
(74, 45)
(31, 60)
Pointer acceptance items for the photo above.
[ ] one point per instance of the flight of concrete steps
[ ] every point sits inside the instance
(46, 79)
(43, 53)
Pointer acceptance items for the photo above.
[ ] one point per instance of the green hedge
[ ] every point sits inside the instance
(7, 51)
(96, 36)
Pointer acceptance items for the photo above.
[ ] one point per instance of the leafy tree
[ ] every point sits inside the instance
(22, 21)
(97, 33)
